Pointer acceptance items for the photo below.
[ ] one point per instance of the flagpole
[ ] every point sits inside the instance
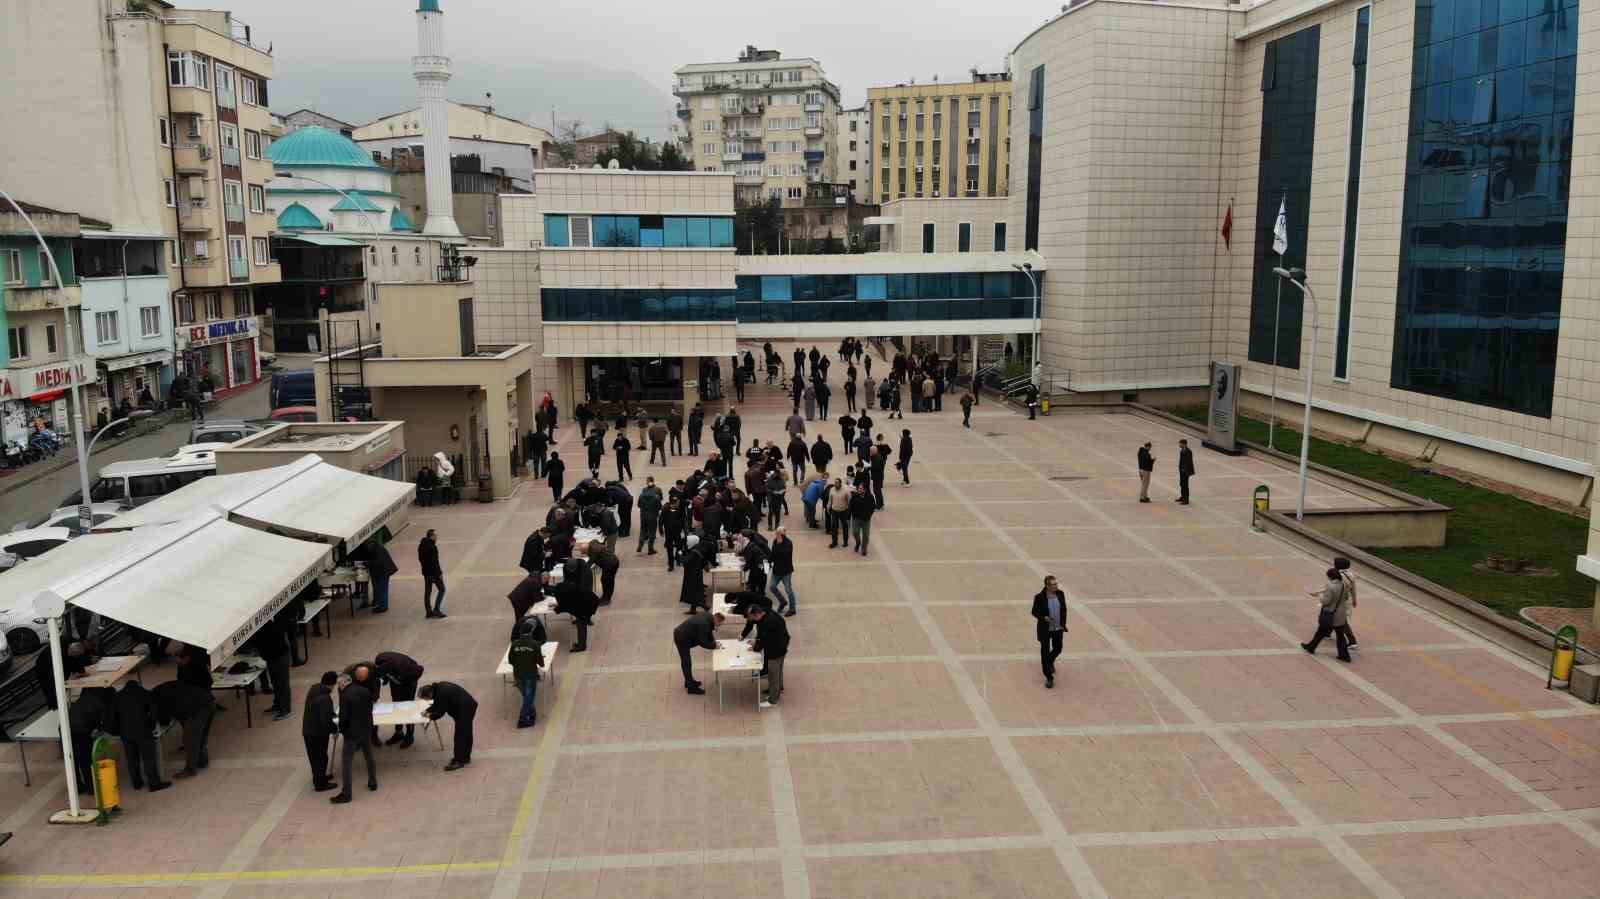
(1272, 403)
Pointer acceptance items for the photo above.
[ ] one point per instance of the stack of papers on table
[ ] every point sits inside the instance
(382, 708)
(108, 665)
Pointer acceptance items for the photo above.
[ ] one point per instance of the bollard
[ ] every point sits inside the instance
(107, 796)
(1260, 502)
(1562, 653)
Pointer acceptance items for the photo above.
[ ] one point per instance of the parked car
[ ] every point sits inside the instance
(138, 481)
(23, 634)
(222, 430)
(67, 517)
(294, 414)
(294, 388)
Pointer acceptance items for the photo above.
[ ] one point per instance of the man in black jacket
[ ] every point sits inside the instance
(538, 451)
(451, 699)
(575, 597)
(1185, 471)
(89, 712)
(402, 673)
(821, 453)
(699, 629)
(136, 723)
(617, 495)
(272, 641)
(355, 725)
(1147, 464)
(555, 472)
(432, 576)
(675, 432)
(622, 446)
(880, 462)
(532, 560)
(904, 464)
(861, 509)
(192, 705)
(782, 555)
(380, 567)
(735, 428)
(317, 725)
(772, 641)
(1050, 626)
(697, 421)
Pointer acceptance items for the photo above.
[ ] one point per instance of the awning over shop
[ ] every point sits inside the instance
(135, 360)
(322, 240)
(206, 582)
(307, 497)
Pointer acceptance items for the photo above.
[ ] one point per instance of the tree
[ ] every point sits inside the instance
(758, 227)
(673, 160)
(564, 149)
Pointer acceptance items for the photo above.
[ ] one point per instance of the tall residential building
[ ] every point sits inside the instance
(942, 140)
(853, 137)
(766, 120)
(503, 145)
(161, 135)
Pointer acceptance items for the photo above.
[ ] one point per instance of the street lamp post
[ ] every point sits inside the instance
(1027, 269)
(1297, 277)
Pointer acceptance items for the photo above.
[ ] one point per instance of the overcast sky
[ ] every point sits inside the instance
(613, 60)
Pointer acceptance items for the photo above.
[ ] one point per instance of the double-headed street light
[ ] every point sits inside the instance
(1297, 277)
(1027, 269)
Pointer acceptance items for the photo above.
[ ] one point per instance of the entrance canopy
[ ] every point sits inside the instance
(206, 581)
(307, 498)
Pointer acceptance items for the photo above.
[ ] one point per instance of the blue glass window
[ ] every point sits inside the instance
(776, 288)
(722, 232)
(871, 287)
(604, 230)
(699, 232)
(556, 232)
(675, 229)
(650, 231)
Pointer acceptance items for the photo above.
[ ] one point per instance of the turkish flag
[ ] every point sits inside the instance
(1227, 228)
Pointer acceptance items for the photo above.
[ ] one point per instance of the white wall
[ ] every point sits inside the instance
(106, 295)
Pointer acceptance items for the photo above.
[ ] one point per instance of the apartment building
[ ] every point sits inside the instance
(161, 135)
(503, 145)
(768, 121)
(853, 143)
(941, 139)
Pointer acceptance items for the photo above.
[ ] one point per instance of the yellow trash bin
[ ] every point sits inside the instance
(1561, 657)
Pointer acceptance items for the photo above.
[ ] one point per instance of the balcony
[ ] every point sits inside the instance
(750, 134)
(192, 158)
(813, 106)
(732, 155)
(813, 131)
(753, 156)
(230, 156)
(195, 217)
(191, 101)
(203, 271)
(682, 110)
(233, 213)
(42, 299)
(754, 108)
(239, 269)
(749, 180)
(814, 155)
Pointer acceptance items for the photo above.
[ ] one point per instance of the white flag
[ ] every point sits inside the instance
(1280, 229)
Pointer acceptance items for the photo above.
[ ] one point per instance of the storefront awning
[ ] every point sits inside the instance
(206, 581)
(322, 240)
(137, 360)
(307, 497)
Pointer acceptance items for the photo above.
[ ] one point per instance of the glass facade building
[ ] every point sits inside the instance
(699, 231)
(1485, 218)
(1288, 127)
(959, 296)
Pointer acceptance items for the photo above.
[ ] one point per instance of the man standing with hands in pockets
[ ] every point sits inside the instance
(1050, 626)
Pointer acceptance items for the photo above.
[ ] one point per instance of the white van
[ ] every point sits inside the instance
(138, 481)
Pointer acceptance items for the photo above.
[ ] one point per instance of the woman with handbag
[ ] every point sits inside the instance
(1334, 615)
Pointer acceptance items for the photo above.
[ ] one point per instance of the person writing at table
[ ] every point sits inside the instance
(402, 673)
(318, 725)
(355, 725)
(700, 629)
(446, 698)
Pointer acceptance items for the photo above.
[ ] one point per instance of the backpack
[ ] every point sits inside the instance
(574, 571)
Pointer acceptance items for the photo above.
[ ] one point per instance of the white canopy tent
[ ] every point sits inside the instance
(308, 497)
(205, 581)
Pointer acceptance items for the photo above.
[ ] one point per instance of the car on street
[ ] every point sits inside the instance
(67, 517)
(22, 633)
(223, 430)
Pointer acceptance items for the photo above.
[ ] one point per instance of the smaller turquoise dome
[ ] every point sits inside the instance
(298, 218)
(399, 221)
(428, 6)
(315, 147)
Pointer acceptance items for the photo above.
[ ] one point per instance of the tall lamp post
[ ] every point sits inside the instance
(1027, 269)
(1297, 277)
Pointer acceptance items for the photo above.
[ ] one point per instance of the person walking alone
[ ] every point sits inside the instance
(904, 464)
(861, 509)
(782, 557)
(1147, 464)
(658, 442)
(432, 575)
(1185, 471)
(649, 516)
(555, 472)
(1050, 626)
(622, 446)
(966, 410)
(1334, 615)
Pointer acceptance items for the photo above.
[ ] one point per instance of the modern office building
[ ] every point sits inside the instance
(160, 134)
(1423, 155)
(853, 142)
(941, 139)
(766, 120)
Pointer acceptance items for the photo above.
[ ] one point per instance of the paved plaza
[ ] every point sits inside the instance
(1189, 748)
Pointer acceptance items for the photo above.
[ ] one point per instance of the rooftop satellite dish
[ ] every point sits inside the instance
(613, 164)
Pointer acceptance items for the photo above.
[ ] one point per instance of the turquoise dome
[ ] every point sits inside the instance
(319, 147)
(298, 218)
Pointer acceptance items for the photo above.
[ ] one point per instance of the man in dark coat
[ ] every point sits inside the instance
(697, 422)
(608, 563)
(1050, 626)
(675, 432)
(136, 723)
(555, 472)
(822, 453)
(402, 673)
(532, 560)
(380, 567)
(89, 712)
(674, 523)
(576, 597)
(74, 657)
(317, 726)
(1147, 464)
(649, 515)
(432, 575)
(194, 706)
(772, 641)
(622, 446)
(699, 630)
(693, 560)
(272, 642)
(451, 699)
(880, 461)
(904, 463)
(596, 445)
(1185, 471)
(861, 509)
(618, 495)
(355, 725)
(782, 555)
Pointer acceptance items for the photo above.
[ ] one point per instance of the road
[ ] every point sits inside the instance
(44, 495)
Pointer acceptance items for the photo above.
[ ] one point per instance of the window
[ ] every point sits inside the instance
(185, 69)
(252, 144)
(49, 338)
(186, 310)
(416, 255)
(999, 237)
(964, 237)
(1030, 238)
(213, 306)
(243, 303)
(12, 259)
(394, 256)
(259, 245)
(224, 80)
(165, 128)
(172, 191)
(46, 275)
(927, 237)
(972, 186)
(149, 321)
(1352, 192)
(258, 199)
(233, 193)
(247, 89)
(230, 137)
(17, 339)
(105, 327)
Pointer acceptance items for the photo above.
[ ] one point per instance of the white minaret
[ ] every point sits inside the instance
(431, 68)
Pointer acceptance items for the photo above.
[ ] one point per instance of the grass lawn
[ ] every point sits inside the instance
(1483, 523)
